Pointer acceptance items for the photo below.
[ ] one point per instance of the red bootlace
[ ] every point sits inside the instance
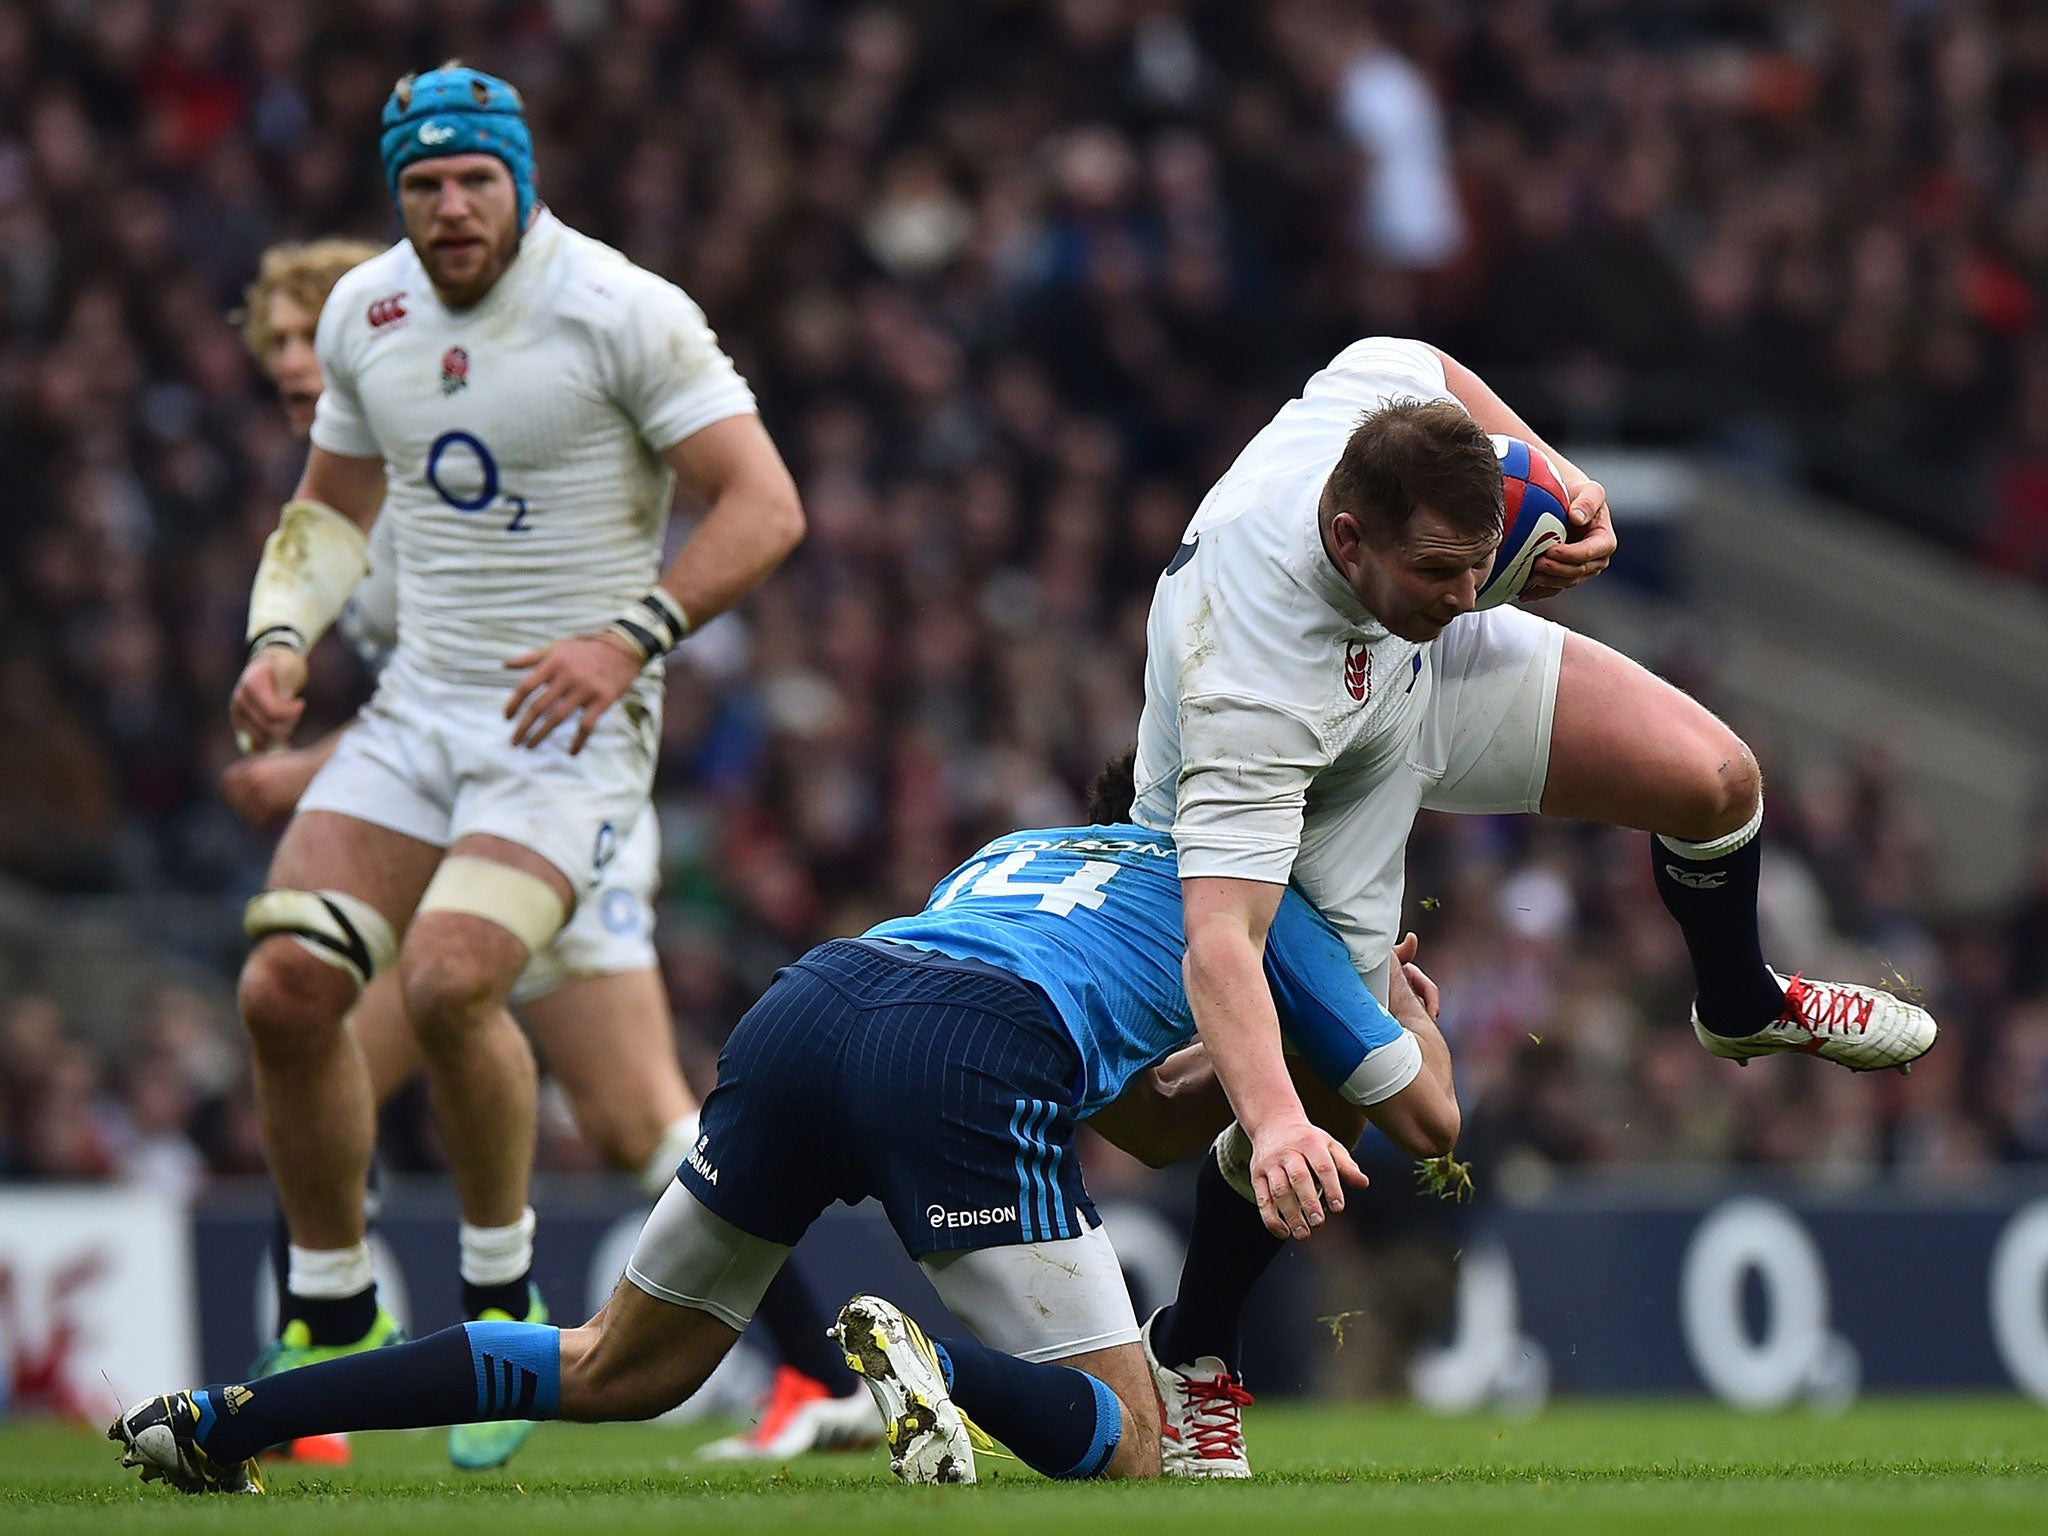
(1838, 1010)
(1216, 1406)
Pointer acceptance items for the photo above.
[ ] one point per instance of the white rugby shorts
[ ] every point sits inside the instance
(612, 928)
(434, 760)
(1038, 1301)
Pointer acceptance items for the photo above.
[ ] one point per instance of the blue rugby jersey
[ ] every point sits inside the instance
(1092, 917)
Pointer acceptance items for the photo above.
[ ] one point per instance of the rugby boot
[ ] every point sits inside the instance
(161, 1437)
(1202, 1422)
(1865, 1029)
(930, 1440)
(800, 1416)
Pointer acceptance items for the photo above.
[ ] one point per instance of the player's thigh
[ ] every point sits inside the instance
(385, 1035)
(960, 1115)
(1039, 1301)
(610, 1042)
(324, 850)
(770, 1151)
(489, 907)
(1628, 748)
(640, 1356)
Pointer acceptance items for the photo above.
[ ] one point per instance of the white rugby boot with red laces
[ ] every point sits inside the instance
(1202, 1430)
(1865, 1029)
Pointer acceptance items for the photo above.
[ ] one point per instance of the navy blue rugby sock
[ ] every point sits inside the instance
(1228, 1249)
(457, 1376)
(1059, 1421)
(1710, 890)
(796, 1325)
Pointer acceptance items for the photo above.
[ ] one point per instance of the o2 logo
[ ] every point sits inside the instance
(463, 474)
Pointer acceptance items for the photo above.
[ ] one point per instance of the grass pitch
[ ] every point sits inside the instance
(1952, 1467)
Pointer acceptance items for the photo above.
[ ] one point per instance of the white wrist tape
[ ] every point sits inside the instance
(654, 623)
(309, 567)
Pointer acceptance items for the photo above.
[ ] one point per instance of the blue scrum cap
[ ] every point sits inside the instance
(455, 110)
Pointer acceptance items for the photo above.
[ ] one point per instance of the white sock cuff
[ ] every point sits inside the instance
(659, 1171)
(328, 1274)
(1720, 847)
(497, 1255)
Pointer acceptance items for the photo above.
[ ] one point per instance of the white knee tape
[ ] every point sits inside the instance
(523, 904)
(1233, 1152)
(343, 930)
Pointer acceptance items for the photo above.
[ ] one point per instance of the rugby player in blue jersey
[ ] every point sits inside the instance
(939, 1064)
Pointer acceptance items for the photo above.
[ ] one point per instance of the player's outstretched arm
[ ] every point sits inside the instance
(1296, 1168)
(309, 567)
(1422, 1119)
(1591, 545)
(753, 521)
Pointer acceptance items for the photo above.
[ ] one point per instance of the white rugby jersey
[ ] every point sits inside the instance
(1272, 697)
(522, 438)
(369, 619)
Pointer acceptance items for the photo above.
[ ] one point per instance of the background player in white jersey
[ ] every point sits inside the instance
(525, 399)
(593, 999)
(1316, 673)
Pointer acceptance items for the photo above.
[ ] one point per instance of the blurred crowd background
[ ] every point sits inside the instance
(1013, 280)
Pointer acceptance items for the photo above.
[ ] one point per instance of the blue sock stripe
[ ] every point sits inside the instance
(1024, 1220)
(1109, 1433)
(518, 1369)
(945, 1363)
(203, 1401)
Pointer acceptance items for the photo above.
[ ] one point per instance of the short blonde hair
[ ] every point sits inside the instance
(305, 273)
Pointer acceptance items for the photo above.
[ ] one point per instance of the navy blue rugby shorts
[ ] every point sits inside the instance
(944, 1088)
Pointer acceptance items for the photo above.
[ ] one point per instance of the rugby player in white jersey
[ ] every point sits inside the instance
(593, 999)
(519, 400)
(1315, 674)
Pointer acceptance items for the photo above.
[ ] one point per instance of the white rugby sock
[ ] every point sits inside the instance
(328, 1274)
(497, 1255)
(659, 1171)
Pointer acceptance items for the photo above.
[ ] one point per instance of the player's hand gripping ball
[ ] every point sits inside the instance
(1535, 518)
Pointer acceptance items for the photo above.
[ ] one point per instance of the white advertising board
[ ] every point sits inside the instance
(96, 1299)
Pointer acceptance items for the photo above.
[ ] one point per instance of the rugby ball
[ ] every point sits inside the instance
(1534, 519)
